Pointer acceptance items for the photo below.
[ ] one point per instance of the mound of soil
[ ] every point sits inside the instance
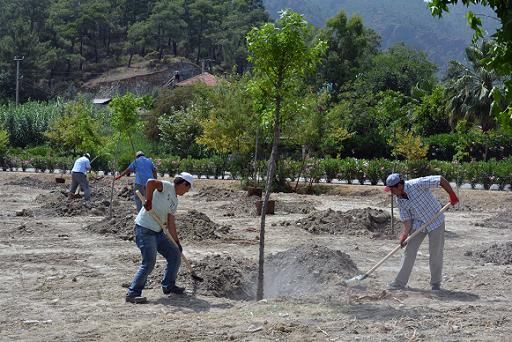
(246, 206)
(191, 226)
(368, 221)
(211, 193)
(307, 270)
(499, 254)
(501, 221)
(31, 182)
(195, 225)
(120, 225)
(288, 207)
(57, 202)
(243, 206)
(21, 230)
(225, 277)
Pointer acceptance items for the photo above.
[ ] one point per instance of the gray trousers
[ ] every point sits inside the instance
(435, 249)
(142, 189)
(79, 178)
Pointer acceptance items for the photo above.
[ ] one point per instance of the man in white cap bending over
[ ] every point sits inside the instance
(79, 177)
(162, 199)
(144, 169)
(417, 206)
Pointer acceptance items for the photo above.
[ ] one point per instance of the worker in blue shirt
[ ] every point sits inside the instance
(144, 169)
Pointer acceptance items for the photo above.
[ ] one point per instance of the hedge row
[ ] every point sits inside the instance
(312, 170)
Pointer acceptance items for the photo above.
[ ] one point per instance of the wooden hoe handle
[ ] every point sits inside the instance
(417, 231)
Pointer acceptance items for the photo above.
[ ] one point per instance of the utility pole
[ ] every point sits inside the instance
(18, 78)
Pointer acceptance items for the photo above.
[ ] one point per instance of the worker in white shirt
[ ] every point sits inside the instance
(79, 176)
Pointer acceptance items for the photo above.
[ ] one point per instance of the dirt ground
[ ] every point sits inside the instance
(65, 268)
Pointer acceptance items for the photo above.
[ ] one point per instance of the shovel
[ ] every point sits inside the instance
(419, 230)
(169, 237)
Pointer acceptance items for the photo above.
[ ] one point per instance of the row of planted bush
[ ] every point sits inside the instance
(312, 170)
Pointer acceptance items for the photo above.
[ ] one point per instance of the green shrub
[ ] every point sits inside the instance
(314, 170)
(187, 165)
(290, 169)
(361, 166)
(331, 168)
(39, 163)
(373, 170)
(171, 165)
(442, 146)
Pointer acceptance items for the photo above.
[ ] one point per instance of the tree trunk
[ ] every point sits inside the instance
(175, 48)
(130, 60)
(268, 188)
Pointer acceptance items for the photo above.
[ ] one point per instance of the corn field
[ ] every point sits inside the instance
(26, 123)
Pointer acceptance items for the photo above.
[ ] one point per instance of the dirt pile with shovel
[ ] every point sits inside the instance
(224, 277)
(498, 253)
(304, 271)
(367, 222)
(307, 270)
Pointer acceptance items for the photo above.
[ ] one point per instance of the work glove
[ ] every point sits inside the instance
(148, 205)
(453, 198)
(179, 247)
(403, 237)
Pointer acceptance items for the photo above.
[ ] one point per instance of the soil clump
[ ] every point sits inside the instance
(246, 206)
(500, 221)
(211, 193)
(498, 253)
(31, 182)
(195, 225)
(307, 271)
(120, 225)
(373, 222)
(192, 225)
(310, 271)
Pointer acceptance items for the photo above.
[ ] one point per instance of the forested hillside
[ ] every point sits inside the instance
(74, 40)
(407, 21)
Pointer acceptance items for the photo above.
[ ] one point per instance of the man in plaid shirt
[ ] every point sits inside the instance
(417, 206)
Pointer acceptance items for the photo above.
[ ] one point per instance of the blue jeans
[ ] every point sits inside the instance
(142, 189)
(150, 242)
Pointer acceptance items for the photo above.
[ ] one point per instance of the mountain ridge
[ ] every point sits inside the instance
(407, 21)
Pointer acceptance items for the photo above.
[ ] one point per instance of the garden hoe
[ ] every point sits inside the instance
(417, 231)
(169, 237)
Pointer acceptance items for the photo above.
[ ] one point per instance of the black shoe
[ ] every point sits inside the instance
(136, 299)
(174, 289)
(436, 287)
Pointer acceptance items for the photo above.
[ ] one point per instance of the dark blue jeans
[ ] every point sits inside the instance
(142, 189)
(149, 243)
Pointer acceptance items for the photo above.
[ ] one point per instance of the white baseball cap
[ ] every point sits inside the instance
(187, 177)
